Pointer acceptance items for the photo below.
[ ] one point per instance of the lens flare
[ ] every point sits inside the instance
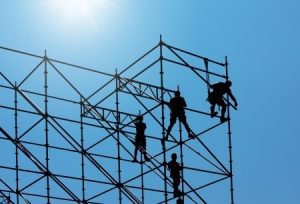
(77, 11)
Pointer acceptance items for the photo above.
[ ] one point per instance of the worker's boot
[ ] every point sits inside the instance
(213, 113)
(223, 119)
(192, 136)
(146, 158)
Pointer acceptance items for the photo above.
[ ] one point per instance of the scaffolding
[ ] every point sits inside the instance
(69, 145)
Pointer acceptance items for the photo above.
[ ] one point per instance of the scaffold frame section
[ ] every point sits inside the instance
(31, 176)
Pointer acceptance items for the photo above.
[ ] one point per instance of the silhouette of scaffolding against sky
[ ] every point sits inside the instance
(104, 171)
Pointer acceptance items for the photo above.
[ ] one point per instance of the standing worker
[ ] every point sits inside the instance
(177, 105)
(140, 139)
(175, 169)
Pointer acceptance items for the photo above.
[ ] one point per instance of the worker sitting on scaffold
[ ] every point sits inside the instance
(140, 139)
(177, 105)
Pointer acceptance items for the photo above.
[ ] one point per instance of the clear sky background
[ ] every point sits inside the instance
(260, 38)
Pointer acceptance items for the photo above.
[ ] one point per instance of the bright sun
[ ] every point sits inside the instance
(77, 10)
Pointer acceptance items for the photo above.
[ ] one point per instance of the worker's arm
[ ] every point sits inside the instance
(168, 165)
(184, 103)
(167, 103)
(233, 98)
(135, 121)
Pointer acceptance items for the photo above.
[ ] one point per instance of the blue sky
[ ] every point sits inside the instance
(260, 38)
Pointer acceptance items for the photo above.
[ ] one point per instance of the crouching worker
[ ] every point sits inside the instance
(216, 98)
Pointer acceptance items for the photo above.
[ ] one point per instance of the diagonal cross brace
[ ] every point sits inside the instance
(6, 198)
(39, 165)
(126, 192)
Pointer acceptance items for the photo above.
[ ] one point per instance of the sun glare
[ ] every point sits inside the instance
(77, 11)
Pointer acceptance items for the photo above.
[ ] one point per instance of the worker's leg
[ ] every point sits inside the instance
(172, 122)
(213, 101)
(182, 118)
(145, 151)
(223, 110)
(136, 147)
(135, 153)
(176, 182)
(212, 110)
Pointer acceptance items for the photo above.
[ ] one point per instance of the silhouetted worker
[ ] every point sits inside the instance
(175, 169)
(140, 139)
(215, 97)
(177, 105)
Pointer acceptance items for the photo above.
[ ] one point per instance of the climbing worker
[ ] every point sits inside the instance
(175, 169)
(177, 105)
(140, 139)
(215, 97)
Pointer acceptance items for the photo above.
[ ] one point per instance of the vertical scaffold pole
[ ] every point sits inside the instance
(118, 137)
(163, 117)
(46, 125)
(229, 137)
(142, 178)
(82, 153)
(16, 138)
(181, 160)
